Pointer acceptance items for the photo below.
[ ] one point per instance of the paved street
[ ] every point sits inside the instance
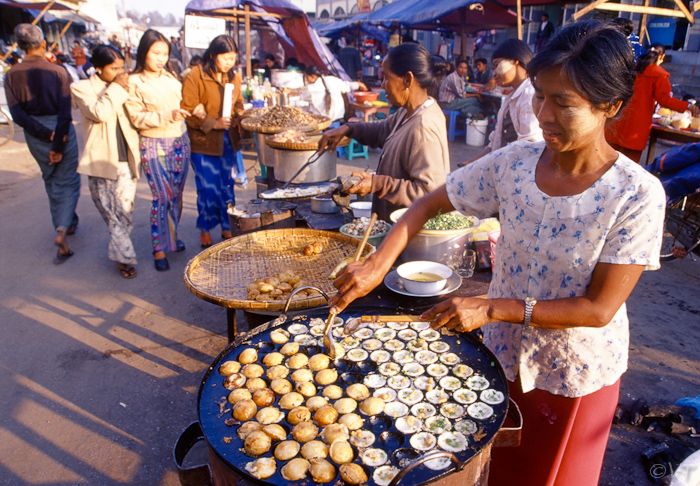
(99, 375)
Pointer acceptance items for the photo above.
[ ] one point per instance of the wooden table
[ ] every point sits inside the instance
(669, 133)
(368, 111)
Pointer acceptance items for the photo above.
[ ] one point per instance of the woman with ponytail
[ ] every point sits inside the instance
(630, 132)
(415, 158)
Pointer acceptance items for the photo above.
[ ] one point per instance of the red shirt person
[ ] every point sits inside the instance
(78, 54)
(629, 133)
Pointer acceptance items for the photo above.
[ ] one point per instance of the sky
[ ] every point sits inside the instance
(176, 7)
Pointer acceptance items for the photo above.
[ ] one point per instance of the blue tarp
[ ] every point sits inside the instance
(412, 12)
(335, 28)
(679, 171)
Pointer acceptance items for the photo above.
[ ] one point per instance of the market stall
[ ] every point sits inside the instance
(288, 22)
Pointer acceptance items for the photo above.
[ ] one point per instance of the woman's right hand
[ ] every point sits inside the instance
(356, 280)
(223, 123)
(180, 114)
(330, 140)
(122, 80)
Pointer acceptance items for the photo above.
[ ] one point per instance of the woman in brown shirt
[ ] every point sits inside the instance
(415, 158)
(213, 134)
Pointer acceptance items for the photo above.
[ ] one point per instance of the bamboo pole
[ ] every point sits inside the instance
(248, 60)
(463, 18)
(643, 26)
(63, 31)
(34, 22)
(685, 11)
(619, 7)
(588, 8)
(246, 13)
(519, 8)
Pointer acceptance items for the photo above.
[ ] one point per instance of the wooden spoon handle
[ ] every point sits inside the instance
(391, 319)
(365, 237)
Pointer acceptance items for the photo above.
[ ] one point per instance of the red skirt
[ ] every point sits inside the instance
(563, 439)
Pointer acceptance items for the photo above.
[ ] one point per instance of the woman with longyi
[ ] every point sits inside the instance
(580, 222)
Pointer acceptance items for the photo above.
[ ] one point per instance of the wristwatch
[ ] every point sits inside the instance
(529, 305)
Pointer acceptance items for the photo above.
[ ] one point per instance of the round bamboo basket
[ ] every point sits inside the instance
(251, 124)
(311, 143)
(221, 273)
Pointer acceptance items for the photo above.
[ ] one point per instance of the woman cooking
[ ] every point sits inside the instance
(580, 222)
(415, 158)
(515, 119)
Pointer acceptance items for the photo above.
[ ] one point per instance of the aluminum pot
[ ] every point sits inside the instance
(265, 152)
(287, 162)
(436, 245)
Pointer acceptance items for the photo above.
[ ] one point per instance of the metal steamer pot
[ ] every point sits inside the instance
(226, 460)
(287, 162)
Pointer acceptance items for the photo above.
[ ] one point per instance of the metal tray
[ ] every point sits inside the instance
(320, 188)
(228, 446)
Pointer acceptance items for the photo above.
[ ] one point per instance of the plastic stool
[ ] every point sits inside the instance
(339, 151)
(452, 130)
(360, 151)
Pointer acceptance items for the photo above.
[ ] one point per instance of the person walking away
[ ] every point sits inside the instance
(545, 32)
(453, 92)
(515, 119)
(154, 109)
(38, 96)
(629, 134)
(327, 94)
(214, 135)
(349, 57)
(110, 158)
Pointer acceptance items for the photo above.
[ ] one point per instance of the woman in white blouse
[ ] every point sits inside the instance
(515, 119)
(326, 94)
(580, 222)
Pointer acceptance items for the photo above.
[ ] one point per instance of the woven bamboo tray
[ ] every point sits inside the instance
(221, 273)
(311, 143)
(251, 125)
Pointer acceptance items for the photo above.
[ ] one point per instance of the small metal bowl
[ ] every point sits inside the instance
(324, 205)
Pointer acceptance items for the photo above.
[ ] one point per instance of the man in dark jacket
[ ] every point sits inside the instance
(349, 57)
(38, 95)
(545, 32)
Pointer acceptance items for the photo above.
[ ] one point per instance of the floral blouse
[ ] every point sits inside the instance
(548, 249)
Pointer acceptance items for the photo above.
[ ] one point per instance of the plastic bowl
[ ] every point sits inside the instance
(373, 240)
(423, 287)
(361, 209)
(362, 96)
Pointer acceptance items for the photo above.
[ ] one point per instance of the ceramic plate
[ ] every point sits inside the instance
(395, 283)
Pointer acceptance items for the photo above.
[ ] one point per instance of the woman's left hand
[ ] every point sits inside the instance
(462, 314)
(363, 187)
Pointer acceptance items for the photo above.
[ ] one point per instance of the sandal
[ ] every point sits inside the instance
(205, 241)
(226, 235)
(127, 271)
(62, 257)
